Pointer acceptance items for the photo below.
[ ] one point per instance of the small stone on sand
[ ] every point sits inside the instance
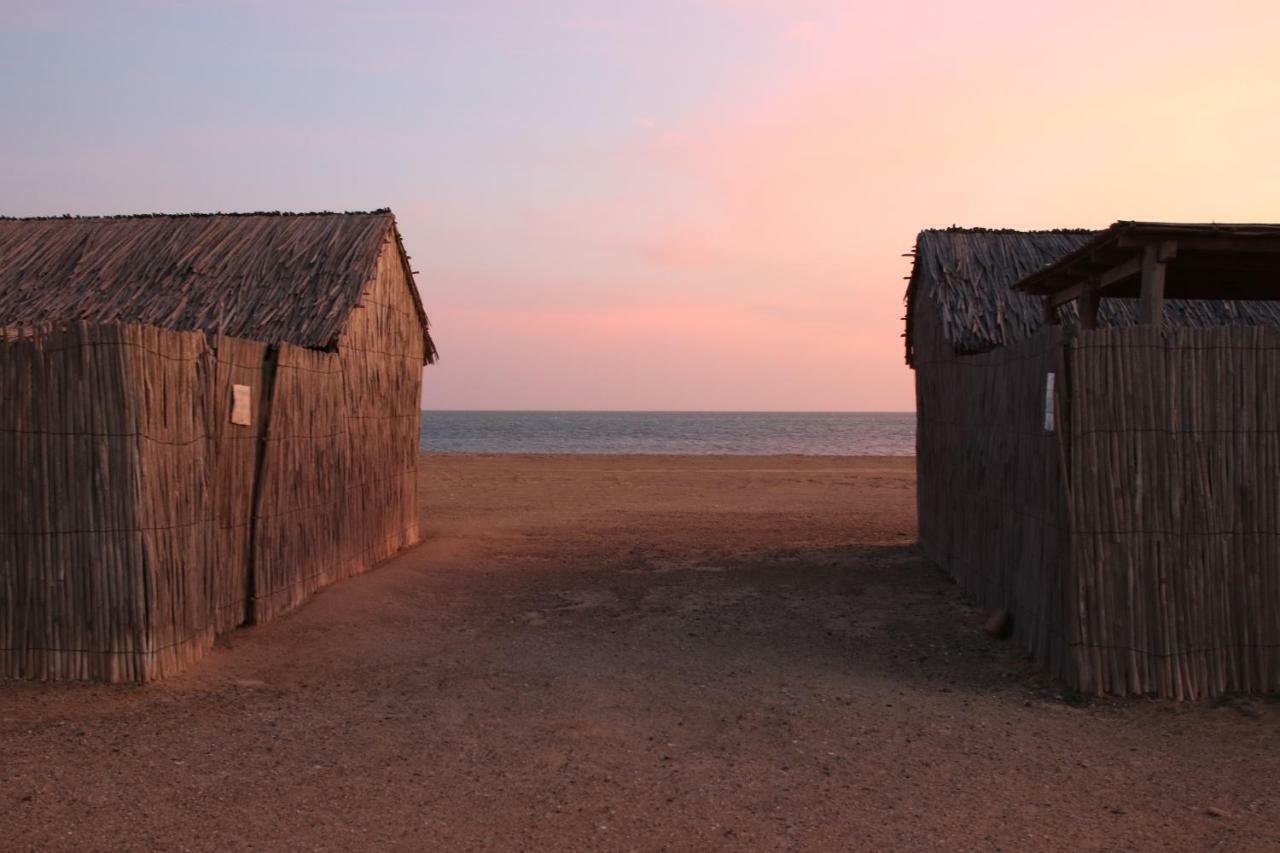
(997, 624)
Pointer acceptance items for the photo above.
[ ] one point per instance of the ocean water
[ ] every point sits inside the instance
(687, 433)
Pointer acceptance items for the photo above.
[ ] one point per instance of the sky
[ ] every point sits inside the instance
(668, 205)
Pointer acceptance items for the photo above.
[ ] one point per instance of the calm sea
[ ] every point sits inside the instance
(746, 433)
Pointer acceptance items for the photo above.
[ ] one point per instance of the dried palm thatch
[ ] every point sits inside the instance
(968, 275)
(268, 277)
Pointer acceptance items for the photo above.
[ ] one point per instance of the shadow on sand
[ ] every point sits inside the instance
(879, 612)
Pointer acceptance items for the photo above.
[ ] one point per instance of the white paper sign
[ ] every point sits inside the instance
(241, 405)
(1048, 403)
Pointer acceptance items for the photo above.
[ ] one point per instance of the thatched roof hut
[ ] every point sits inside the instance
(1099, 460)
(206, 419)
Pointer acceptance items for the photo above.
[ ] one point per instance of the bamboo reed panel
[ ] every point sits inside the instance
(990, 504)
(234, 452)
(1175, 510)
(101, 515)
(1137, 546)
(302, 475)
(170, 375)
(381, 351)
(358, 409)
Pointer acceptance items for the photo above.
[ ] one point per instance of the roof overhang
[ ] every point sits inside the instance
(1195, 261)
(429, 353)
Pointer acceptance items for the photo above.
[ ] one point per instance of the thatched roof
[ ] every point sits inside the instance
(270, 277)
(969, 273)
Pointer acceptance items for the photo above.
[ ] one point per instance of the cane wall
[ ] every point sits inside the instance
(991, 509)
(381, 354)
(338, 480)
(103, 509)
(138, 520)
(1174, 494)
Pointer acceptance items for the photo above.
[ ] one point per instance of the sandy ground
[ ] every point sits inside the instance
(637, 653)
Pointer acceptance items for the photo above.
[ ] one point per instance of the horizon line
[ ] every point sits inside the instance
(684, 411)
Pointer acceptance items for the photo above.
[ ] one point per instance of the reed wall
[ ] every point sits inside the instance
(168, 382)
(1174, 505)
(103, 503)
(302, 475)
(234, 456)
(381, 352)
(1136, 544)
(137, 522)
(357, 411)
(991, 505)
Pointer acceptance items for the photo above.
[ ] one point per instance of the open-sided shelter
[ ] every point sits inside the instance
(204, 419)
(1099, 445)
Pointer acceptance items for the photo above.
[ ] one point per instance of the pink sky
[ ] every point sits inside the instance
(675, 205)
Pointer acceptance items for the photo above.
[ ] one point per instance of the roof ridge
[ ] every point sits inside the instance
(72, 217)
(962, 229)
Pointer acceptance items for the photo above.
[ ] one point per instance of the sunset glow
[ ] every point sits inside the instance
(670, 205)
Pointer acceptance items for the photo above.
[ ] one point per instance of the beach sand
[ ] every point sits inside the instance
(635, 653)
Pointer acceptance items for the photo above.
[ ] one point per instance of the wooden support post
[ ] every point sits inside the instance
(1050, 311)
(1089, 305)
(1152, 301)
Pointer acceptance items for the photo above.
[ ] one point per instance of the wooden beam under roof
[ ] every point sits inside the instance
(1118, 273)
(1264, 244)
(1204, 261)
